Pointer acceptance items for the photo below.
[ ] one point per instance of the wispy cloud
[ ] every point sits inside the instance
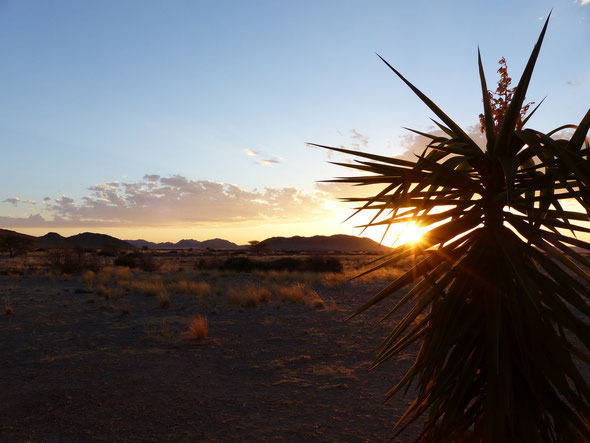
(151, 178)
(15, 201)
(580, 80)
(269, 160)
(173, 201)
(12, 200)
(251, 153)
(359, 141)
(585, 2)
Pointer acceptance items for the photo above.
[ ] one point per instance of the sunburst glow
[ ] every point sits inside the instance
(397, 235)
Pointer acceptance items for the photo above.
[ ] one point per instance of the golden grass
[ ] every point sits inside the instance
(289, 276)
(313, 299)
(249, 295)
(200, 288)
(123, 273)
(252, 295)
(198, 328)
(293, 293)
(298, 293)
(169, 268)
(89, 279)
(351, 275)
(148, 287)
(104, 275)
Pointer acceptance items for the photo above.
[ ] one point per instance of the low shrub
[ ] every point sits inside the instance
(198, 328)
(65, 261)
(239, 264)
(127, 260)
(137, 260)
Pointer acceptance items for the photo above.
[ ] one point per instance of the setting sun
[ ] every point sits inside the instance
(397, 235)
(409, 234)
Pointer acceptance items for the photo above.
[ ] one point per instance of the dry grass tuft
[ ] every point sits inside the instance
(89, 279)
(104, 275)
(385, 274)
(198, 328)
(200, 288)
(289, 276)
(152, 286)
(313, 299)
(293, 293)
(253, 295)
(163, 300)
(105, 291)
(188, 287)
(123, 273)
(298, 293)
(157, 333)
(8, 310)
(249, 295)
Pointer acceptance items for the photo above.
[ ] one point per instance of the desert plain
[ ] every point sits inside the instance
(190, 352)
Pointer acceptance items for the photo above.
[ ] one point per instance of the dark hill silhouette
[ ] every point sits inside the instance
(219, 243)
(9, 233)
(53, 240)
(86, 240)
(323, 243)
(15, 242)
(90, 240)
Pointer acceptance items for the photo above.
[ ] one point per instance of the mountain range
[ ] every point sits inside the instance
(216, 243)
(89, 240)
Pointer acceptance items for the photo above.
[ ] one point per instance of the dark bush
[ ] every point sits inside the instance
(129, 260)
(69, 261)
(239, 264)
(311, 264)
(282, 264)
(137, 260)
(321, 264)
(147, 263)
(107, 253)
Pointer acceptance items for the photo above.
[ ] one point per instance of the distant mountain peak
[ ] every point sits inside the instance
(337, 242)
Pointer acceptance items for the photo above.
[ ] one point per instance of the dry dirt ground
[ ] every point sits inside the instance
(76, 369)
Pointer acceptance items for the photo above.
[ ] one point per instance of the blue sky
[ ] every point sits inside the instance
(188, 119)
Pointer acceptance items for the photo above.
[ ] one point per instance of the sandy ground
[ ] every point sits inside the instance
(75, 369)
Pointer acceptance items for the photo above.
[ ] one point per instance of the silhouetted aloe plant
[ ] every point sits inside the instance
(499, 295)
